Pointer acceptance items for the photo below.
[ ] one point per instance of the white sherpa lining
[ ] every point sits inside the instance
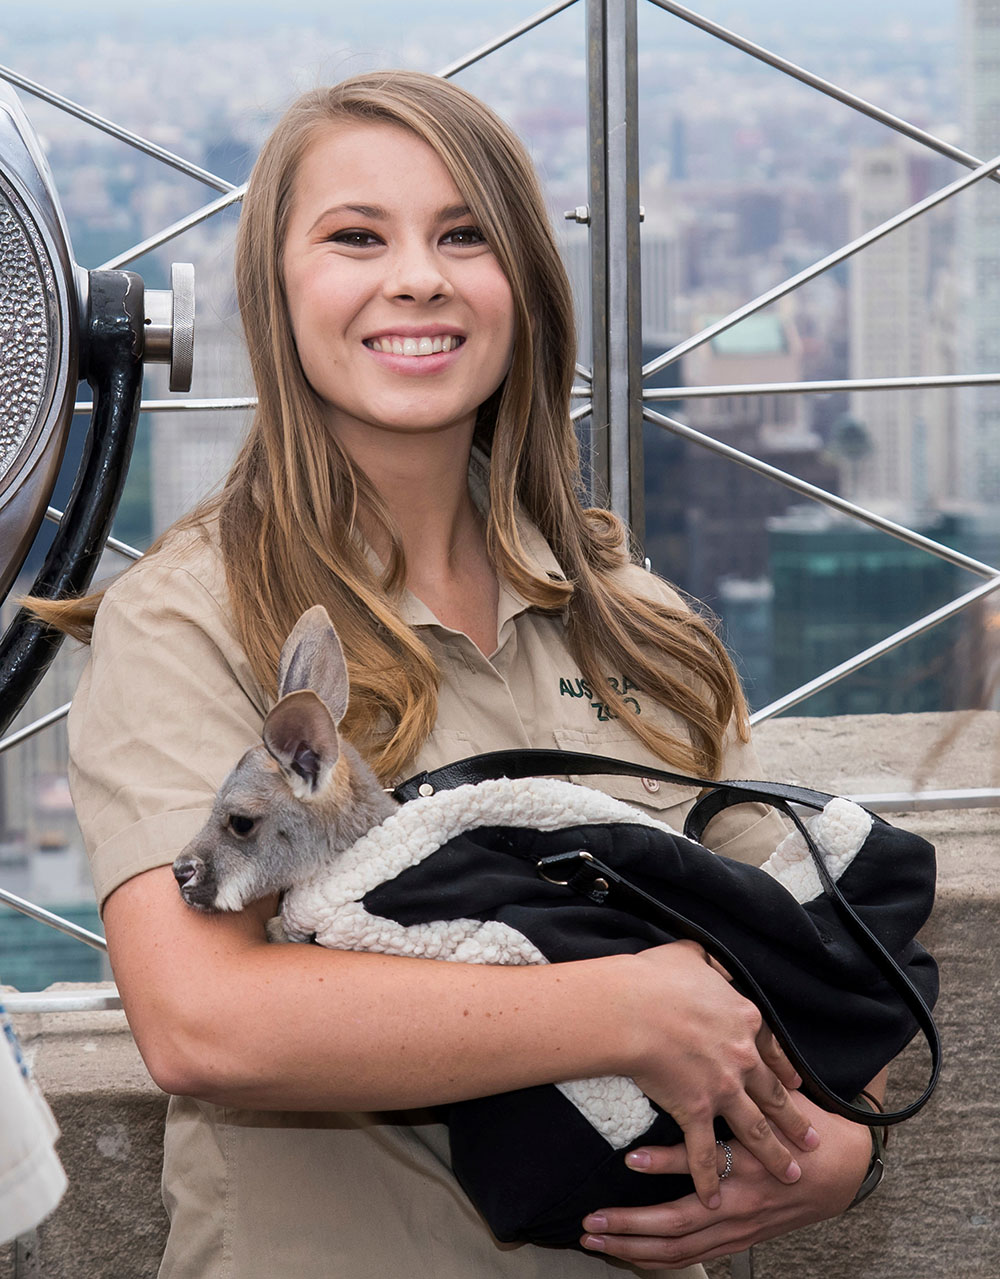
(838, 831)
(328, 906)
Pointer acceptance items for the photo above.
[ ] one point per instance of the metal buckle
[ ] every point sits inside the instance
(561, 857)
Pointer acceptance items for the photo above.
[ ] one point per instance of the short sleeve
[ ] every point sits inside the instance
(165, 707)
(748, 832)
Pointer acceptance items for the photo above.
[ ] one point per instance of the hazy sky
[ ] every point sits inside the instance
(75, 16)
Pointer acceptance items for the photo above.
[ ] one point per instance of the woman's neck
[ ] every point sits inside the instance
(424, 484)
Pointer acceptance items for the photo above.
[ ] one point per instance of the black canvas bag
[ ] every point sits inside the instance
(839, 977)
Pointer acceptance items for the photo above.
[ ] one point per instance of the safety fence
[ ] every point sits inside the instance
(611, 393)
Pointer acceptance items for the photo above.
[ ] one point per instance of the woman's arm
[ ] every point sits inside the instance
(220, 1014)
(754, 1206)
(166, 705)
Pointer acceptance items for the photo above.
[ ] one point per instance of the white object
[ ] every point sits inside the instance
(32, 1180)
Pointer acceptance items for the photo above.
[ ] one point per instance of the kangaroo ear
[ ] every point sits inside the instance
(313, 658)
(299, 732)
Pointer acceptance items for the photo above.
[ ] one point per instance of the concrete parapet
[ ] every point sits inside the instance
(937, 1214)
(111, 1221)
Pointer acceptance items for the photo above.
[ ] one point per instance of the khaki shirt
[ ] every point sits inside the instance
(165, 707)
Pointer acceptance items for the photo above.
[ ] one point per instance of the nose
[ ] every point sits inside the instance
(185, 870)
(417, 274)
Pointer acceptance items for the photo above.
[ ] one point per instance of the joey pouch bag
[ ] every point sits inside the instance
(523, 869)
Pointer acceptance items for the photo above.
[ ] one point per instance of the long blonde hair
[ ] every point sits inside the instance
(290, 509)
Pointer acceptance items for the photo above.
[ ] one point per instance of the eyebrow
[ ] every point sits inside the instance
(376, 213)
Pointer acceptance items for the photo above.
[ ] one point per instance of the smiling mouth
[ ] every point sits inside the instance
(392, 345)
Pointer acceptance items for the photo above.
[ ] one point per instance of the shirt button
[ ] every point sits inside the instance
(651, 784)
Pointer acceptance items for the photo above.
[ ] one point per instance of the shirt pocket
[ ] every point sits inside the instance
(668, 802)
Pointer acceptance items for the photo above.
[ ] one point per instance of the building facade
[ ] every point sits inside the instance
(979, 256)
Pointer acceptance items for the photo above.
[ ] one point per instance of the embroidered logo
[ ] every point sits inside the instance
(581, 688)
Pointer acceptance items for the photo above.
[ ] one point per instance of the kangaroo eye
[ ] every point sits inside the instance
(241, 825)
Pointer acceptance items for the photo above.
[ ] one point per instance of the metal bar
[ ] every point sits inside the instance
(826, 87)
(741, 1265)
(54, 921)
(861, 659)
(841, 504)
(810, 273)
(22, 734)
(62, 1001)
(112, 543)
(624, 267)
(485, 49)
(586, 374)
(615, 257)
(116, 131)
(177, 228)
(26, 1255)
(927, 801)
(597, 148)
(808, 388)
(84, 407)
(580, 411)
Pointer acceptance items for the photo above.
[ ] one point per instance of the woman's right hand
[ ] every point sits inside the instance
(704, 1052)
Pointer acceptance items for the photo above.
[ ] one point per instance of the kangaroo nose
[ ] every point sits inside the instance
(185, 870)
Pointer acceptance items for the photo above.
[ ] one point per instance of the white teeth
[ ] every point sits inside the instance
(414, 346)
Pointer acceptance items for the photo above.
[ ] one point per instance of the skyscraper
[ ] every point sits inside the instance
(888, 300)
(192, 452)
(979, 256)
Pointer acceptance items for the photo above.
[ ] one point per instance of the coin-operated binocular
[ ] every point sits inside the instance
(59, 325)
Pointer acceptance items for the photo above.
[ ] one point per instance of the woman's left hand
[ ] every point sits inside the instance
(755, 1205)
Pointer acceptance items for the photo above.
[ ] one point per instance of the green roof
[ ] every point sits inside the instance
(757, 335)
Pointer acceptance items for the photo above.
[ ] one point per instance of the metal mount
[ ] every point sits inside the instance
(169, 326)
(60, 324)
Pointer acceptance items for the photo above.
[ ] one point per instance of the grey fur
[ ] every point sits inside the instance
(304, 794)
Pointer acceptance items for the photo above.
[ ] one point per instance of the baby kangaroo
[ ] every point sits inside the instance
(296, 801)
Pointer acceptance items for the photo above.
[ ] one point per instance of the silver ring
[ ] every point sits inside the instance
(728, 1150)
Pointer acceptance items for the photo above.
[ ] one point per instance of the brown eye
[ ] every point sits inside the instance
(241, 825)
(464, 237)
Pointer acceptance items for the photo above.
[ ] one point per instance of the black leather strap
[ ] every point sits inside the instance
(545, 763)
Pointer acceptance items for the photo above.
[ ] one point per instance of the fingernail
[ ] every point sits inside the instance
(715, 1201)
(639, 1159)
(793, 1172)
(811, 1139)
(594, 1242)
(595, 1222)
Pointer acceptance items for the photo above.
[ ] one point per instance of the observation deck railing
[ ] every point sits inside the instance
(611, 392)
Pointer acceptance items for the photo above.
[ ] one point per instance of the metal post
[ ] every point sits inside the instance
(741, 1265)
(612, 74)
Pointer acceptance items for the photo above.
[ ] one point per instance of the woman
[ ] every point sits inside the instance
(412, 466)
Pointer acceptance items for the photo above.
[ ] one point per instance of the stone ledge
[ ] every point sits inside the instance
(937, 1215)
(110, 1221)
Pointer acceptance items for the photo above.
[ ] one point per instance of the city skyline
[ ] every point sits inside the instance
(745, 174)
(746, 178)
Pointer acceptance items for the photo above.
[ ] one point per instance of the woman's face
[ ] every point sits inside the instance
(403, 320)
